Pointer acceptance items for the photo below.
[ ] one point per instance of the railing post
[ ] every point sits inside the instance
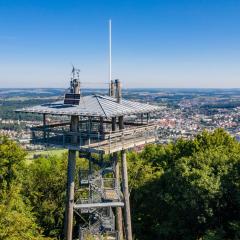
(109, 138)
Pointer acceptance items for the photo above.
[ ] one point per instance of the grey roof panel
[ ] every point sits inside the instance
(94, 105)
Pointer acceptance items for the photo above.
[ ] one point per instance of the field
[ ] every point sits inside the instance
(53, 152)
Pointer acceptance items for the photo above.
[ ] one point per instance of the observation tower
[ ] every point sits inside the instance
(101, 129)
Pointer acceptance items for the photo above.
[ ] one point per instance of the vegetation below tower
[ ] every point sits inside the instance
(184, 190)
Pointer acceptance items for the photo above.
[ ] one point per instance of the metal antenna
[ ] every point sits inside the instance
(110, 51)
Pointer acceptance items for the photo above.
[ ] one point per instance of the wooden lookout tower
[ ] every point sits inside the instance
(94, 127)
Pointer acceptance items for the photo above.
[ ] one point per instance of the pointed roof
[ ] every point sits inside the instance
(94, 105)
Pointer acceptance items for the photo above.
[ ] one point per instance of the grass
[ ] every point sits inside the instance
(52, 152)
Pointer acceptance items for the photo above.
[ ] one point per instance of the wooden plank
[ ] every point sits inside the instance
(98, 205)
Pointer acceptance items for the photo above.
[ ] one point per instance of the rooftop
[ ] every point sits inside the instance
(94, 105)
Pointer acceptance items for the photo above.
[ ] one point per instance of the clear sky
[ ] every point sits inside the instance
(156, 43)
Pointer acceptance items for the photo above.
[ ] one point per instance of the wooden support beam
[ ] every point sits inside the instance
(118, 90)
(89, 129)
(121, 123)
(70, 182)
(127, 222)
(52, 125)
(127, 212)
(119, 218)
(101, 127)
(114, 124)
(112, 89)
(141, 118)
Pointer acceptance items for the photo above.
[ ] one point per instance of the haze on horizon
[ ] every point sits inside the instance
(156, 43)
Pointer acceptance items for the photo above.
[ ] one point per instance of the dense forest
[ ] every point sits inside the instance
(184, 190)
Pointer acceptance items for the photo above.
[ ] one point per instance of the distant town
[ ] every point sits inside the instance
(185, 112)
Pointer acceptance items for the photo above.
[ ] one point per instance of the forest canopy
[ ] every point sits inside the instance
(189, 189)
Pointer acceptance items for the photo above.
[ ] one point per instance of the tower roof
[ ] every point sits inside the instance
(94, 105)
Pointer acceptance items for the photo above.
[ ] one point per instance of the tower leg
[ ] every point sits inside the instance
(119, 220)
(70, 194)
(127, 213)
(70, 182)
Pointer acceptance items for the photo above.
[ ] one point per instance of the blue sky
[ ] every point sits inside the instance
(156, 43)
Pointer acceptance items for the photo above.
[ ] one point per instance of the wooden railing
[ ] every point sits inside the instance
(93, 139)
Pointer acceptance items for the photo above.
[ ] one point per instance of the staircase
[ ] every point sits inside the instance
(100, 188)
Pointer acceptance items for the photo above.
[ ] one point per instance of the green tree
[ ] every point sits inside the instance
(17, 222)
(16, 219)
(11, 161)
(45, 189)
(196, 194)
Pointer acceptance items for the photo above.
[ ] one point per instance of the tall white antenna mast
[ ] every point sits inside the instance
(110, 51)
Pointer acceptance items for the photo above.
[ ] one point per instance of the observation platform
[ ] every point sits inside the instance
(134, 135)
(97, 114)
